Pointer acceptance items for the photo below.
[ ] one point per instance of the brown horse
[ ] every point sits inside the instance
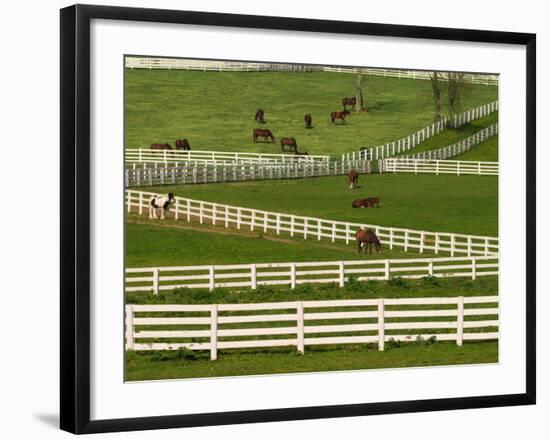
(300, 153)
(349, 101)
(339, 115)
(367, 237)
(160, 146)
(353, 178)
(308, 120)
(366, 202)
(289, 144)
(259, 116)
(183, 144)
(266, 134)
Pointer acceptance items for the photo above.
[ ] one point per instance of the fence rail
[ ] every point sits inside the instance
(169, 156)
(316, 228)
(308, 323)
(156, 279)
(152, 174)
(423, 166)
(407, 143)
(457, 148)
(234, 66)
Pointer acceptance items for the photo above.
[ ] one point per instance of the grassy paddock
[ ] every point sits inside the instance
(215, 110)
(438, 203)
(180, 364)
(484, 152)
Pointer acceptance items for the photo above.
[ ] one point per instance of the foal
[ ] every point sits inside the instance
(160, 202)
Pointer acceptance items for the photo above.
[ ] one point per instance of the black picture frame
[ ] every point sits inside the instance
(75, 218)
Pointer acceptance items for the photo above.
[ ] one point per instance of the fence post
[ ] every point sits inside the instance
(211, 278)
(341, 273)
(469, 246)
(253, 276)
(292, 225)
(278, 224)
(460, 321)
(201, 211)
(129, 327)
(300, 327)
(406, 241)
(474, 268)
(430, 267)
(292, 275)
(156, 281)
(391, 239)
(347, 233)
(306, 225)
(436, 243)
(387, 269)
(213, 332)
(486, 246)
(238, 217)
(452, 245)
(381, 335)
(213, 214)
(252, 220)
(188, 210)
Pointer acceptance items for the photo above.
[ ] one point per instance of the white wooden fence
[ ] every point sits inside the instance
(217, 157)
(307, 323)
(456, 167)
(156, 279)
(316, 228)
(152, 174)
(412, 141)
(457, 148)
(236, 66)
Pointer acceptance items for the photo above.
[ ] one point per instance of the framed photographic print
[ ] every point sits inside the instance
(271, 218)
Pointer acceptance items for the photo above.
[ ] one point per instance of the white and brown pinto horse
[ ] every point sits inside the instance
(161, 202)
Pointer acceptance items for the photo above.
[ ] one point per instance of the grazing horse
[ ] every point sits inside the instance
(353, 178)
(308, 120)
(349, 101)
(160, 146)
(365, 238)
(339, 115)
(160, 202)
(266, 134)
(366, 202)
(183, 144)
(289, 144)
(259, 116)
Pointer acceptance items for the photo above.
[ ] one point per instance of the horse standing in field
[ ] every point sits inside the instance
(183, 145)
(160, 202)
(349, 101)
(308, 120)
(161, 146)
(289, 144)
(259, 116)
(366, 202)
(353, 178)
(365, 238)
(266, 134)
(339, 115)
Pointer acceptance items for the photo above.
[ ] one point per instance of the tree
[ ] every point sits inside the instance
(456, 85)
(360, 83)
(436, 88)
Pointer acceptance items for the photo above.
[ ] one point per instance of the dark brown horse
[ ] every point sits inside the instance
(365, 238)
(183, 144)
(289, 144)
(266, 134)
(366, 202)
(160, 146)
(259, 116)
(339, 115)
(353, 178)
(349, 101)
(308, 120)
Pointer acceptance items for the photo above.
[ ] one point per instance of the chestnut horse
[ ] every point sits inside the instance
(183, 144)
(160, 146)
(259, 116)
(365, 238)
(308, 120)
(349, 101)
(266, 134)
(366, 202)
(289, 144)
(353, 178)
(339, 115)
